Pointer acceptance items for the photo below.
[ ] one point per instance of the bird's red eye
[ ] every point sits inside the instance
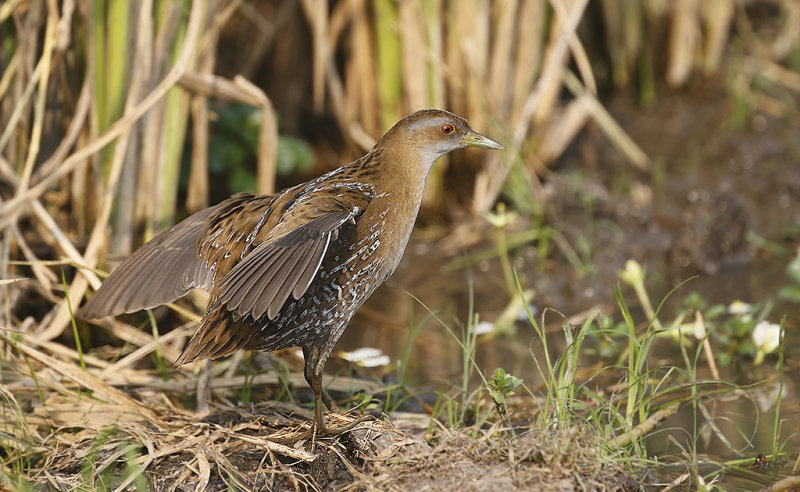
(447, 128)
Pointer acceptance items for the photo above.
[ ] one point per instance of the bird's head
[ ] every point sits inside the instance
(432, 133)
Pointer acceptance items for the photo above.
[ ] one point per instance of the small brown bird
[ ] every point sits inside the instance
(290, 269)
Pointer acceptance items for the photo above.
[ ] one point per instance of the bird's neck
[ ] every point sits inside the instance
(401, 172)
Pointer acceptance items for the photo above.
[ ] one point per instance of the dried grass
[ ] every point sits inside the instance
(74, 424)
(85, 433)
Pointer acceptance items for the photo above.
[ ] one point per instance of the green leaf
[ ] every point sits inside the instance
(242, 179)
(790, 293)
(294, 155)
(793, 269)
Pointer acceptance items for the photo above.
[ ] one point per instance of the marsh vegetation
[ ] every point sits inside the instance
(610, 304)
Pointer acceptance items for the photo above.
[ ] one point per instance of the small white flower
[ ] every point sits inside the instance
(699, 328)
(739, 307)
(367, 357)
(523, 313)
(766, 336)
(502, 218)
(633, 273)
(482, 328)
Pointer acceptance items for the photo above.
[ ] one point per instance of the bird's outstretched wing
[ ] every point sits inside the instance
(170, 265)
(161, 271)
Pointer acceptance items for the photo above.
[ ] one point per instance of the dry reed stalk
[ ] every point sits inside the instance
(71, 136)
(47, 221)
(565, 125)
(500, 91)
(578, 52)
(198, 190)
(325, 42)
(8, 281)
(176, 120)
(317, 13)
(92, 383)
(65, 352)
(775, 73)
(352, 129)
(124, 220)
(11, 209)
(387, 43)
(489, 181)
(143, 351)
(263, 39)
(434, 55)
(97, 239)
(683, 41)
(607, 124)
(340, 383)
(8, 76)
(556, 57)
(20, 113)
(717, 18)
(562, 127)
(8, 8)
(528, 59)
(267, 137)
(45, 277)
(473, 25)
(788, 38)
(338, 21)
(242, 90)
(45, 63)
(413, 62)
(145, 210)
(131, 334)
(767, 104)
(359, 80)
(353, 64)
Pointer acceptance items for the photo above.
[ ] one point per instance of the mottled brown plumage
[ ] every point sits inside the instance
(291, 269)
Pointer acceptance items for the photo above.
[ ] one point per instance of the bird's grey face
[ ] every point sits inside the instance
(445, 132)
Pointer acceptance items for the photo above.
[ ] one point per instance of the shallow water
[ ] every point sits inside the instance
(744, 419)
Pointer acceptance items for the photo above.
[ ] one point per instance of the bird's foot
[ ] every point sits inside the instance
(318, 429)
(315, 430)
(325, 430)
(329, 402)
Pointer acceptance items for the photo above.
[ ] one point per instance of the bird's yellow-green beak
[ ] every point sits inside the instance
(475, 139)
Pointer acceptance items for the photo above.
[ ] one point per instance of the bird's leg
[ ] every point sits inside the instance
(311, 356)
(316, 385)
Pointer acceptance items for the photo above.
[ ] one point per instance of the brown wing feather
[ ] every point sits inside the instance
(259, 283)
(263, 280)
(191, 254)
(224, 337)
(161, 271)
